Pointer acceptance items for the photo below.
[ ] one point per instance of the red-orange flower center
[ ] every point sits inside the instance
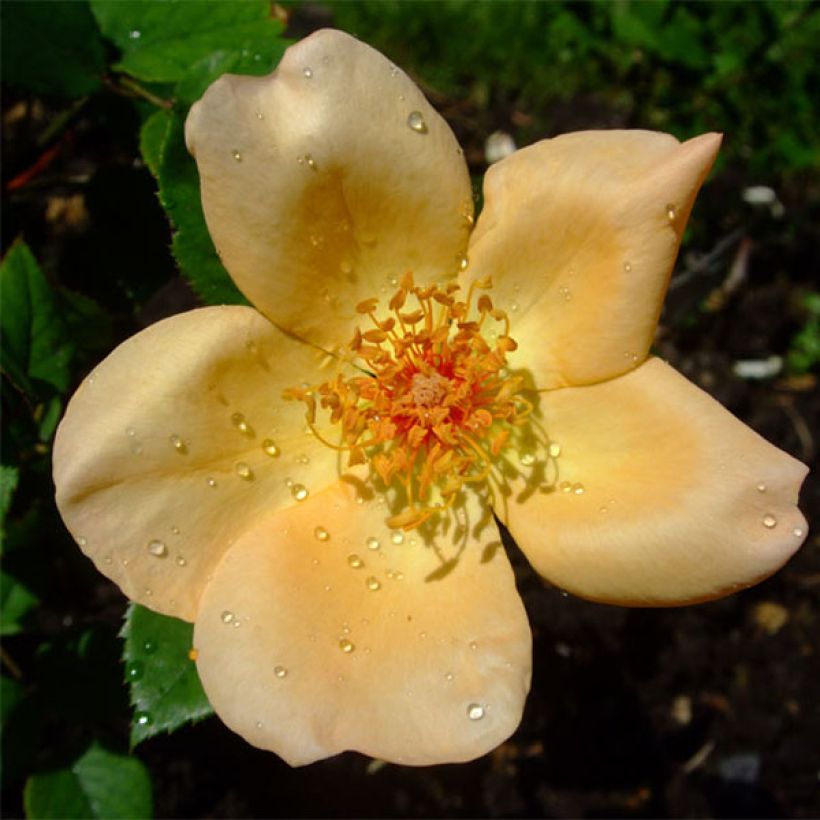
(434, 405)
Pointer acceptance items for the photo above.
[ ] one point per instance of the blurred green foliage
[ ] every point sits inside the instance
(105, 86)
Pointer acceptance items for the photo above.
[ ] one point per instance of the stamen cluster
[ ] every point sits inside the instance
(434, 406)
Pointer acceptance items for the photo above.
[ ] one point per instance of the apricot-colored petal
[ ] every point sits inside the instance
(677, 500)
(156, 475)
(579, 234)
(317, 171)
(311, 641)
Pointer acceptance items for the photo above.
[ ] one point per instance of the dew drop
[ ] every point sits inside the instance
(134, 670)
(321, 534)
(473, 645)
(211, 482)
(671, 212)
(308, 160)
(448, 676)
(769, 521)
(346, 646)
(527, 459)
(181, 562)
(307, 71)
(554, 449)
(346, 267)
(236, 155)
(81, 540)
(373, 584)
(260, 115)
(354, 561)
(415, 120)
(797, 532)
(149, 647)
(130, 431)
(238, 420)
(227, 616)
(761, 488)
(259, 724)
(565, 486)
(299, 492)
(243, 471)
(514, 307)
(143, 719)
(157, 548)
(627, 267)
(280, 671)
(463, 262)
(475, 711)
(134, 34)
(373, 543)
(397, 537)
(178, 444)
(175, 530)
(578, 489)
(270, 447)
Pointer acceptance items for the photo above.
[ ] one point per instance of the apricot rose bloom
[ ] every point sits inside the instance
(314, 482)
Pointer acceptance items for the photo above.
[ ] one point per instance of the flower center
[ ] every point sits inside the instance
(434, 405)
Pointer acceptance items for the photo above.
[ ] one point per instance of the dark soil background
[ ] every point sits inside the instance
(706, 711)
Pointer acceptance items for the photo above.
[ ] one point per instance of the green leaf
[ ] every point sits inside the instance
(98, 784)
(35, 344)
(16, 601)
(9, 476)
(165, 688)
(160, 41)
(192, 245)
(152, 139)
(52, 48)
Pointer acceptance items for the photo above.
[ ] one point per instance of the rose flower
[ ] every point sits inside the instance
(316, 483)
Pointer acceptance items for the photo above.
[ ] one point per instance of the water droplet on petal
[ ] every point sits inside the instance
(475, 711)
(415, 119)
(373, 543)
(81, 540)
(238, 420)
(346, 646)
(797, 532)
(157, 548)
(473, 645)
(578, 489)
(299, 492)
(307, 71)
(243, 471)
(211, 482)
(354, 561)
(761, 488)
(554, 449)
(627, 267)
(178, 444)
(227, 616)
(130, 431)
(236, 155)
(463, 262)
(448, 676)
(373, 584)
(270, 447)
(280, 671)
(769, 521)
(397, 537)
(260, 115)
(565, 486)
(527, 459)
(671, 212)
(181, 562)
(321, 534)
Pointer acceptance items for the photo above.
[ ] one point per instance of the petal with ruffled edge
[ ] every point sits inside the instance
(335, 166)
(579, 234)
(160, 461)
(319, 633)
(662, 496)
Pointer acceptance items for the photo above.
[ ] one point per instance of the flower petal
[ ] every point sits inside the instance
(311, 642)
(579, 234)
(334, 166)
(662, 496)
(156, 474)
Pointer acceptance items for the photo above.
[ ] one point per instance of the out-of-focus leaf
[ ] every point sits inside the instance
(35, 345)
(9, 476)
(20, 728)
(165, 688)
(160, 41)
(88, 325)
(16, 601)
(49, 417)
(52, 48)
(98, 784)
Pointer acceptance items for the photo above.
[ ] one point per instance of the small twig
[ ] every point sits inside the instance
(128, 87)
(707, 260)
(10, 664)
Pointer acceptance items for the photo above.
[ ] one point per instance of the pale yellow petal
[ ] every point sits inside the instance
(662, 496)
(178, 442)
(579, 234)
(323, 631)
(325, 181)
